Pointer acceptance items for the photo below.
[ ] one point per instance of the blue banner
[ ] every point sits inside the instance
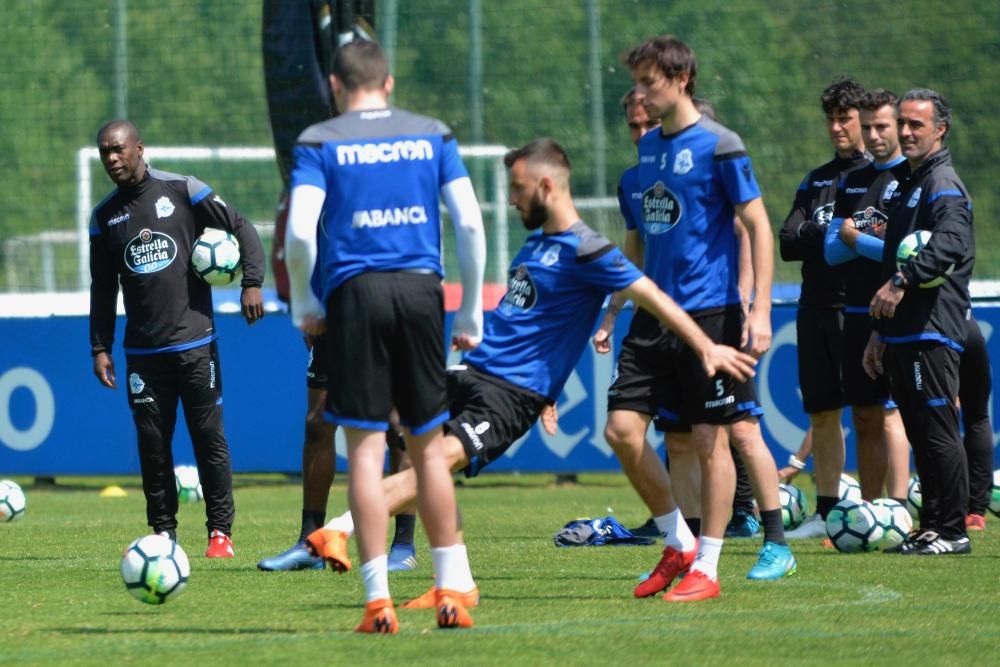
(55, 419)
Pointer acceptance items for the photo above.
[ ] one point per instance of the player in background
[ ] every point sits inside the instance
(921, 331)
(374, 176)
(299, 38)
(695, 177)
(819, 320)
(974, 388)
(141, 237)
(854, 240)
(556, 286)
(681, 457)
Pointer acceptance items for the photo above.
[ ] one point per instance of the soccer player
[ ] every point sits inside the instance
(819, 321)
(141, 237)
(975, 386)
(854, 240)
(695, 177)
(374, 174)
(922, 330)
(682, 459)
(556, 286)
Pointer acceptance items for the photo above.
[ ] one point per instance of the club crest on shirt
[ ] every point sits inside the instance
(661, 209)
(164, 207)
(914, 198)
(823, 214)
(150, 252)
(683, 163)
(890, 190)
(135, 383)
(521, 292)
(551, 256)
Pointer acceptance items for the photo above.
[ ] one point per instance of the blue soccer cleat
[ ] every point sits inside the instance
(742, 524)
(296, 558)
(402, 557)
(773, 562)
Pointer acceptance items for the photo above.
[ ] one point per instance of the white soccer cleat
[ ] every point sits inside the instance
(813, 527)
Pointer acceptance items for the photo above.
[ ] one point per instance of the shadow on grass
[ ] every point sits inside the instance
(177, 631)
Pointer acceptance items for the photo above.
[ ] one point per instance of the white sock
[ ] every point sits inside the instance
(375, 575)
(707, 561)
(675, 530)
(344, 523)
(451, 568)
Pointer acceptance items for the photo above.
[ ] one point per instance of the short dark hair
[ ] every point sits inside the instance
(844, 93)
(543, 151)
(705, 108)
(628, 99)
(668, 54)
(360, 64)
(942, 110)
(878, 98)
(131, 131)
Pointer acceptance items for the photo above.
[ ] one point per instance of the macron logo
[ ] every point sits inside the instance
(420, 149)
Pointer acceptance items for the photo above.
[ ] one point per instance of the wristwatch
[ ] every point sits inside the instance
(898, 281)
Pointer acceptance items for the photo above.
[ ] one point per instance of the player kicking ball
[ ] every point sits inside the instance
(556, 286)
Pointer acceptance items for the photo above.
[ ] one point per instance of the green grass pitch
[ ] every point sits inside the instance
(63, 601)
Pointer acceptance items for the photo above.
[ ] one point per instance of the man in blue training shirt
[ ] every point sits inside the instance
(371, 179)
(695, 177)
(557, 284)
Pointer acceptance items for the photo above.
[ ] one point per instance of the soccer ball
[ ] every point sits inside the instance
(910, 247)
(155, 569)
(849, 488)
(914, 500)
(188, 484)
(215, 257)
(895, 519)
(995, 497)
(12, 501)
(852, 526)
(793, 505)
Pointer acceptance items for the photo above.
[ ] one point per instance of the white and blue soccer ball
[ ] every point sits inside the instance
(793, 505)
(188, 484)
(914, 499)
(215, 257)
(12, 501)
(895, 519)
(910, 247)
(849, 489)
(155, 569)
(852, 526)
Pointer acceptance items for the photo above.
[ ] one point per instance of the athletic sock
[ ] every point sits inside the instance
(774, 527)
(343, 523)
(707, 561)
(694, 525)
(675, 531)
(404, 529)
(375, 575)
(311, 520)
(451, 568)
(824, 504)
(901, 501)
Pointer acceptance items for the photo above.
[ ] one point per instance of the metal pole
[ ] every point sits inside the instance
(387, 23)
(121, 60)
(597, 99)
(476, 85)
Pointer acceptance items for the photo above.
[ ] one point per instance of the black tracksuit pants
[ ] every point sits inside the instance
(975, 385)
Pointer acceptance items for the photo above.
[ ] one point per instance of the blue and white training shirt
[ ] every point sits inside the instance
(690, 183)
(556, 286)
(382, 171)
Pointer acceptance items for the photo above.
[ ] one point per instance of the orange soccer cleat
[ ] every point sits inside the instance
(331, 546)
(379, 618)
(693, 587)
(975, 522)
(429, 599)
(673, 564)
(451, 613)
(220, 545)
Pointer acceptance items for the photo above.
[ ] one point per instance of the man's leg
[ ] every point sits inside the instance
(873, 456)
(975, 385)
(898, 454)
(685, 476)
(743, 522)
(626, 433)
(402, 553)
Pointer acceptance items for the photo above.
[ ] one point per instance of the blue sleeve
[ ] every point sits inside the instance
(870, 247)
(836, 251)
(308, 168)
(623, 206)
(738, 179)
(609, 272)
(452, 167)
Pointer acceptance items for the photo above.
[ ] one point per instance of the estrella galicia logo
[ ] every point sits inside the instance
(824, 214)
(521, 293)
(150, 252)
(661, 209)
(135, 383)
(683, 163)
(870, 221)
(164, 207)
